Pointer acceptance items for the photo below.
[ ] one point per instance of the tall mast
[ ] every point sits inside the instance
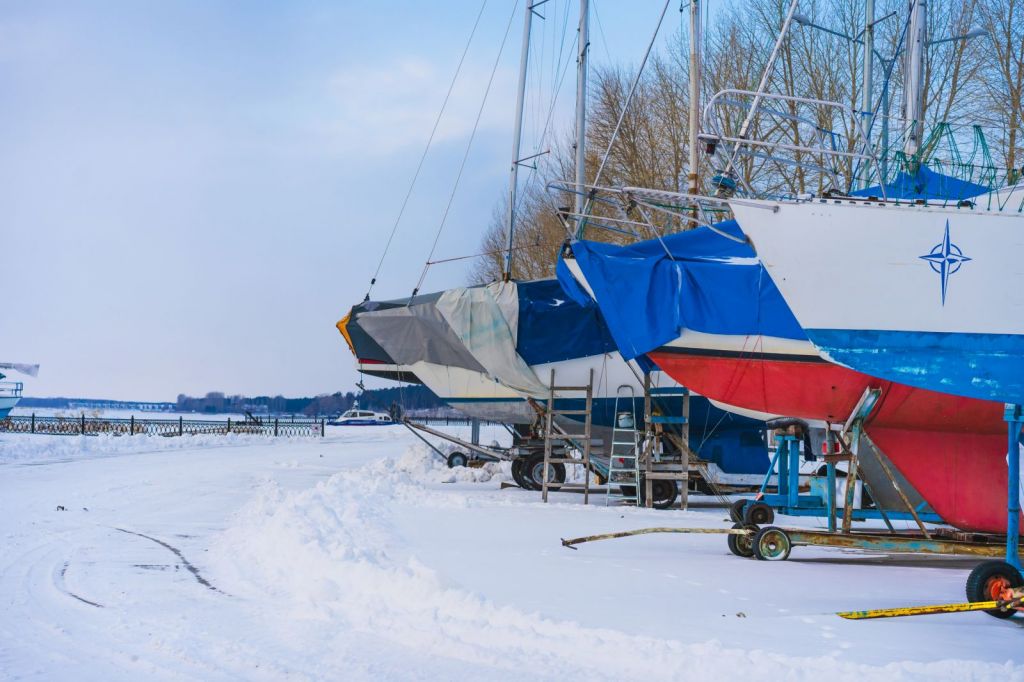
(866, 100)
(913, 83)
(867, 97)
(581, 110)
(695, 77)
(517, 138)
(694, 92)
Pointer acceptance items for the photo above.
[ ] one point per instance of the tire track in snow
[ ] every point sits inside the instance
(177, 552)
(62, 586)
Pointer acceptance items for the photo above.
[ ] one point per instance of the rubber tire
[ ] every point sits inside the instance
(736, 511)
(758, 514)
(665, 493)
(534, 466)
(517, 473)
(741, 545)
(772, 544)
(979, 583)
(457, 459)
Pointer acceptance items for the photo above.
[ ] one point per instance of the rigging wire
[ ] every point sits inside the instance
(600, 30)
(547, 122)
(430, 140)
(622, 114)
(534, 172)
(469, 147)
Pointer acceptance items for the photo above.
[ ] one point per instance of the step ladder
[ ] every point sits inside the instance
(555, 437)
(624, 452)
(654, 465)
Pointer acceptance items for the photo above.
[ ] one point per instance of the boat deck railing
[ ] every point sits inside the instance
(11, 389)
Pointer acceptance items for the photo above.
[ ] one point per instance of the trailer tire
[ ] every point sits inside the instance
(664, 493)
(533, 471)
(758, 514)
(457, 459)
(742, 545)
(772, 544)
(988, 579)
(736, 511)
(517, 473)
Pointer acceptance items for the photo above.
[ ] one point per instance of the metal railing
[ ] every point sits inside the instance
(82, 425)
(11, 389)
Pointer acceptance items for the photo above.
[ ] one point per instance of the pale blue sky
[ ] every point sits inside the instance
(192, 193)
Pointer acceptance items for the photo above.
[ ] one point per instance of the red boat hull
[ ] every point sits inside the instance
(961, 475)
(952, 449)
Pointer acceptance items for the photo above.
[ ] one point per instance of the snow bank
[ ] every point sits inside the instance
(24, 448)
(331, 553)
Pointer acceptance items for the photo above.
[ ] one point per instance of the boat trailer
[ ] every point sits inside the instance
(994, 586)
(526, 454)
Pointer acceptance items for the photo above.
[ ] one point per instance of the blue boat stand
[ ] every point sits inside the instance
(1014, 422)
(788, 500)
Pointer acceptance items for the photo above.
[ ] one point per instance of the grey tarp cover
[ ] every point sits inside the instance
(30, 370)
(417, 333)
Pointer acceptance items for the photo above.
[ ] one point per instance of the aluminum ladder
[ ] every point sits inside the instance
(624, 452)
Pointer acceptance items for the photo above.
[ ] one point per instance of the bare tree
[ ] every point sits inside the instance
(967, 82)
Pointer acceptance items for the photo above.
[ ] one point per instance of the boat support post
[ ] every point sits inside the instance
(1014, 415)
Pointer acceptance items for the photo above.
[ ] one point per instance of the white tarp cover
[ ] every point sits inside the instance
(485, 320)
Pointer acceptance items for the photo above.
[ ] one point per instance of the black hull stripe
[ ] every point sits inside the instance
(393, 375)
(740, 354)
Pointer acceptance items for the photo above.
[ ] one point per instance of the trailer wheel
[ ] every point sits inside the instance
(736, 511)
(533, 471)
(742, 545)
(517, 473)
(457, 459)
(772, 544)
(987, 582)
(664, 493)
(758, 514)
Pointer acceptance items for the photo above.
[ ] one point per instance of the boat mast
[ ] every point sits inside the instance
(913, 79)
(583, 44)
(867, 97)
(695, 76)
(517, 138)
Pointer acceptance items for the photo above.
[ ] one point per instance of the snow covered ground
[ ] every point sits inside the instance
(359, 556)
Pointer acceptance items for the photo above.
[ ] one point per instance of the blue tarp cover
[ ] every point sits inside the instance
(708, 284)
(925, 184)
(554, 327)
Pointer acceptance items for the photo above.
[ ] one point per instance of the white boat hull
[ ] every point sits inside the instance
(924, 295)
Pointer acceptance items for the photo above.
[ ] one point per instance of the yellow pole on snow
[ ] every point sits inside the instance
(644, 531)
(928, 610)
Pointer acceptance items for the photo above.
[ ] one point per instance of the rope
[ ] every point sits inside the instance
(423, 157)
(560, 72)
(469, 146)
(622, 114)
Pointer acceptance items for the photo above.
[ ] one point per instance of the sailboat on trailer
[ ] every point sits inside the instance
(716, 322)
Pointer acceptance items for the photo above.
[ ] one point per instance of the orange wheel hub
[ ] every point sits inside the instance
(996, 587)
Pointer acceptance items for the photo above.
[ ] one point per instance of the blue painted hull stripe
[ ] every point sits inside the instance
(982, 366)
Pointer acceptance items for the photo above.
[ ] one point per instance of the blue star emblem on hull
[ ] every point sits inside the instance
(945, 259)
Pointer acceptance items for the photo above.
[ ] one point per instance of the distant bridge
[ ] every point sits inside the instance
(86, 404)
